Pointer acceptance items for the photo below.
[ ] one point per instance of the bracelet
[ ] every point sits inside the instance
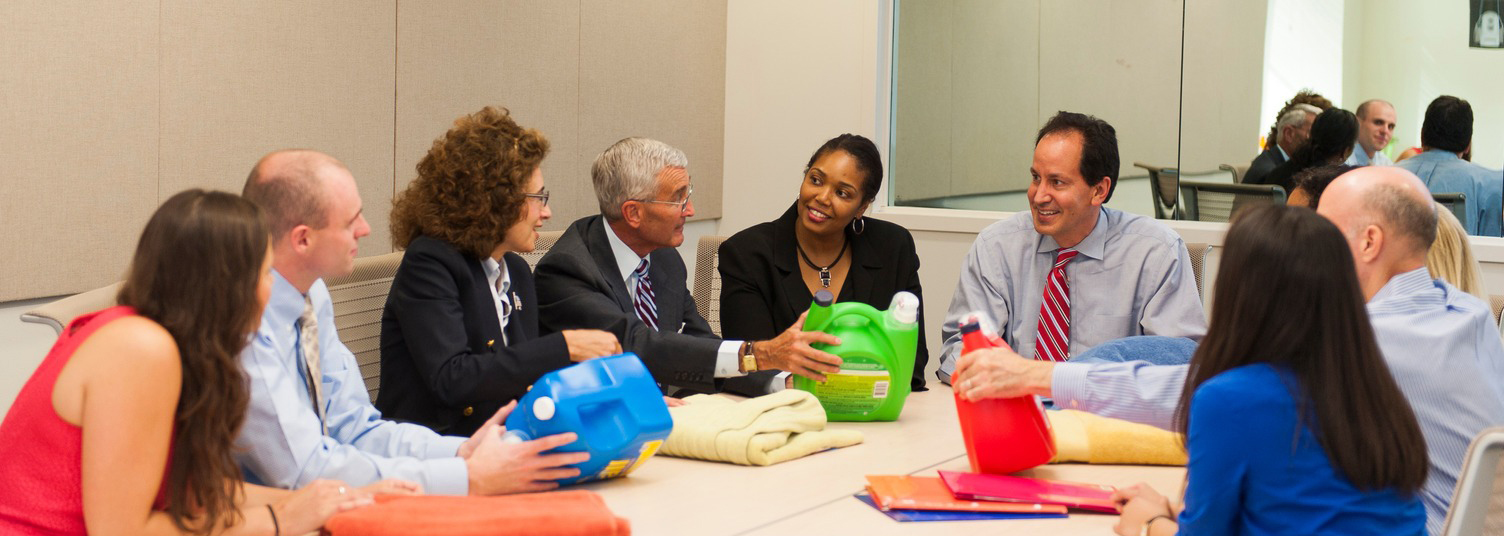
(1145, 531)
(276, 527)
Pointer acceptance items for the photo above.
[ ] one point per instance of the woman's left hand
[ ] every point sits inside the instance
(1138, 503)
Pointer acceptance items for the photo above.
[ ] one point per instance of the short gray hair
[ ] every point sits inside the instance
(629, 170)
(1296, 117)
(1404, 214)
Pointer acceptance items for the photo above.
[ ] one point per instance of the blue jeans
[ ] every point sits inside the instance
(1152, 348)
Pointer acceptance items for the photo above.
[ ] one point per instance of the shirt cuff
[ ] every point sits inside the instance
(779, 382)
(1068, 384)
(447, 476)
(727, 360)
(444, 447)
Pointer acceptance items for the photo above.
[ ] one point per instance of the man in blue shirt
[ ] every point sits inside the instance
(1446, 136)
(1375, 129)
(309, 415)
(1440, 343)
(1070, 273)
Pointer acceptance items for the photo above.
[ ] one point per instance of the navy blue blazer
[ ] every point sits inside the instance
(443, 362)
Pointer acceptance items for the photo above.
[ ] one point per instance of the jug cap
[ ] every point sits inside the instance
(543, 408)
(905, 307)
(824, 298)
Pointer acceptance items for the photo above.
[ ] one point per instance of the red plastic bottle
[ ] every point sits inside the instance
(1002, 435)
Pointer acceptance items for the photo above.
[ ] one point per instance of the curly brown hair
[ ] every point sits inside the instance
(1305, 96)
(469, 189)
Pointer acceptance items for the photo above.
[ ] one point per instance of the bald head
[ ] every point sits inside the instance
(291, 187)
(1390, 198)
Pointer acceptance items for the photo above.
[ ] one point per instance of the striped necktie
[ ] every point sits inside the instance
(308, 345)
(642, 296)
(1053, 341)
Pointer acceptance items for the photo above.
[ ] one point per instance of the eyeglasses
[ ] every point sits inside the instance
(682, 204)
(542, 195)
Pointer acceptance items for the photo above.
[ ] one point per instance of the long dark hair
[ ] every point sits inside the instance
(1288, 295)
(1332, 134)
(196, 272)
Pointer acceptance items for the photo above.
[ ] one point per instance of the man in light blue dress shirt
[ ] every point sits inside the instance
(1131, 275)
(1446, 135)
(1375, 129)
(313, 208)
(1441, 344)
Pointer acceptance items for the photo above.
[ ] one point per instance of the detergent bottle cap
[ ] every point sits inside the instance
(543, 408)
(824, 298)
(904, 308)
(970, 327)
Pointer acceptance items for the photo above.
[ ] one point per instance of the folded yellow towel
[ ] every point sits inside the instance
(1084, 437)
(758, 431)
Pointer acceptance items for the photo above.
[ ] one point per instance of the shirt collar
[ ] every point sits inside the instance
(285, 306)
(495, 270)
(1406, 284)
(1360, 156)
(1282, 151)
(626, 259)
(1093, 246)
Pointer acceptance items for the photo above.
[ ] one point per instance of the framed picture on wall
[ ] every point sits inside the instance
(1486, 30)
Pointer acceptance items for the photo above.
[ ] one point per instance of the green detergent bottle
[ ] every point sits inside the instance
(877, 353)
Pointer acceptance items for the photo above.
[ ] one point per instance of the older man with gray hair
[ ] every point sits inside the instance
(1293, 128)
(619, 272)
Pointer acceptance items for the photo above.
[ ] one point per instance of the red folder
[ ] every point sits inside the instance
(928, 493)
(1010, 489)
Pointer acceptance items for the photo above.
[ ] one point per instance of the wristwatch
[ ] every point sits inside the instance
(749, 360)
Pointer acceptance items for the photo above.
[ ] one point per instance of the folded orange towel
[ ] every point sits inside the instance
(555, 513)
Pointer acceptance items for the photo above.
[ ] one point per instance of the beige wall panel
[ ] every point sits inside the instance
(1224, 78)
(659, 70)
(998, 93)
(921, 157)
(79, 142)
(782, 101)
(1120, 61)
(240, 79)
(518, 54)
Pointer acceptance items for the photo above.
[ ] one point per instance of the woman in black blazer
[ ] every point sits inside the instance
(446, 360)
(770, 271)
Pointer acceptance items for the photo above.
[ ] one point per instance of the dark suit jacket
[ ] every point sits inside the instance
(443, 362)
(1262, 165)
(580, 287)
(1284, 175)
(763, 292)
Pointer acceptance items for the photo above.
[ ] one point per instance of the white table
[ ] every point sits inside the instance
(812, 495)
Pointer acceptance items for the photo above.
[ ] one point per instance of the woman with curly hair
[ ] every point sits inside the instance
(127, 426)
(459, 335)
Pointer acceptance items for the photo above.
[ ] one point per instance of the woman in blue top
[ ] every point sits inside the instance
(1292, 420)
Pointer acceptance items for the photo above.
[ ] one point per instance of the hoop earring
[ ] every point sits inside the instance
(859, 225)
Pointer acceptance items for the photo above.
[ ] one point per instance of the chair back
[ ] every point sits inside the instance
(1237, 171)
(359, 299)
(1162, 189)
(1456, 202)
(1217, 202)
(1198, 253)
(707, 290)
(1478, 502)
(58, 314)
(546, 241)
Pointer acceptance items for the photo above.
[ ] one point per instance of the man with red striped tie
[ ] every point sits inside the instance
(619, 272)
(1070, 274)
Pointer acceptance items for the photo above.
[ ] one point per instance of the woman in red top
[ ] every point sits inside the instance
(127, 425)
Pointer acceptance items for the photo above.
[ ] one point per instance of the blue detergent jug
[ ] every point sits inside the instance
(612, 403)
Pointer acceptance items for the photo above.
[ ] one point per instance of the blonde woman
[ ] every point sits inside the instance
(1451, 258)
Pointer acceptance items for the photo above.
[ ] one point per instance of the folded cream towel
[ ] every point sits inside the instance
(758, 431)
(1084, 437)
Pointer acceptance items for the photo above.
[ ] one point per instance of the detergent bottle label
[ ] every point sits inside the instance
(860, 387)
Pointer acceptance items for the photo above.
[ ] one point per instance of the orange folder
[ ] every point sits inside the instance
(556, 513)
(904, 492)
